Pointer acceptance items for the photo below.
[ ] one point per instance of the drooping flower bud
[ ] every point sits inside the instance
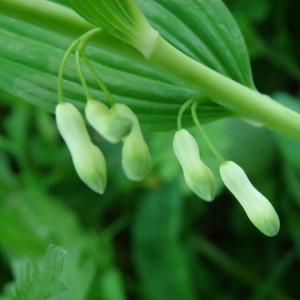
(106, 122)
(257, 207)
(136, 159)
(198, 176)
(122, 19)
(88, 160)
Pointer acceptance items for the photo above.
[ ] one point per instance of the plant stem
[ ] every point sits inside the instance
(84, 37)
(210, 145)
(81, 76)
(60, 88)
(240, 99)
(46, 13)
(182, 110)
(99, 80)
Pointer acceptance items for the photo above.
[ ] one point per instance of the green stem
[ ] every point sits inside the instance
(60, 82)
(183, 108)
(240, 99)
(91, 67)
(83, 38)
(46, 14)
(81, 76)
(212, 148)
(99, 80)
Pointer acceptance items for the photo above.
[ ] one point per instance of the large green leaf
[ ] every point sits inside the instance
(35, 34)
(208, 33)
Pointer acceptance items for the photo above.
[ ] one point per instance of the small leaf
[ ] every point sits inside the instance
(40, 281)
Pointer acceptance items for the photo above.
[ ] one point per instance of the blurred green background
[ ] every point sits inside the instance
(155, 240)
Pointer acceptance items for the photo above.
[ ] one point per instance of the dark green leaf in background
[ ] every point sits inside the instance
(159, 254)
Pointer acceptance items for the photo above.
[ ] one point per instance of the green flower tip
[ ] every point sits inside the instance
(88, 160)
(106, 122)
(120, 18)
(198, 176)
(136, 158)
(257, 207)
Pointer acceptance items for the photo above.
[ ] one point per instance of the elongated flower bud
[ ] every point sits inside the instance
(198, 176)
(122, 19)
(88, 160)
(257, 207)
(107, 123)
(136, 159)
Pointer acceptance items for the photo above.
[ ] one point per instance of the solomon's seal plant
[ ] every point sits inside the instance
(218, 87)
(117, 122)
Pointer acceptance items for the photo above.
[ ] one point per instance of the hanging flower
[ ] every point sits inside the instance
(136, 159)
(198, 176)
(257, 207)
(88, 160)
(106, 122)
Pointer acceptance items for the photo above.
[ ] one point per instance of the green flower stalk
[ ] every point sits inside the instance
(136, 159)
(88, 160)
(125, 21)
(198, 176)
(257, 207)
(106, 122)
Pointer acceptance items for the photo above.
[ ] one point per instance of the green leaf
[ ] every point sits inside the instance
(204, 30)
(35, 34)
(111, 285)
(159, 256)
(31, 220)
(40, 281)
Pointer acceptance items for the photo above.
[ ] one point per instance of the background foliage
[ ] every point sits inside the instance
(155, 240)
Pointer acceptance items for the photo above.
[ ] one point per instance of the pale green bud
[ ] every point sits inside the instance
(136, 159)
(198, 176)
(106, 122)
(257, 207)
(88, 160)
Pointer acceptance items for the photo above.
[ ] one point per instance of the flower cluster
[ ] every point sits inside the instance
(201, 181)
(115, 123)
(118, 123)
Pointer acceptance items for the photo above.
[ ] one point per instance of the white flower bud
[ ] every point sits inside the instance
(257, 207)
(136, 159)
(88, 160)
(198, 176)
(108, 124)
